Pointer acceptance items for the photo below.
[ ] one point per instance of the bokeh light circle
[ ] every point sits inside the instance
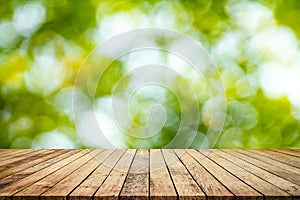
(212, 113)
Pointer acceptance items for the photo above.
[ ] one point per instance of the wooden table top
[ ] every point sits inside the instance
(145, 174)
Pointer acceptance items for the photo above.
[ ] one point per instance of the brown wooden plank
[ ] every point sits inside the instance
(5, 152)
(44, 184)
(9, 151)
(237, 187)
(61, 190)
(161, 185)
(13, 175)
(267, 189)
(285, 185)
(15, 154)
(9, 190)
(112, 186)
(283, 158)
(6, 163)
(209, 184)
(136, 185)
(185, 185)
(283, 170)
(73, 174)
(288, 152)
(13, 162)
(89, 186)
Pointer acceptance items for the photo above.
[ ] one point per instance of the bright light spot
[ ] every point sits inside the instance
(228, 47)
(273, 80)
(213, 113)
(52, 140)
(171, 15)
(141, 58)
(251, 16)
(117, 23)
(163, 15)
(276, 44)
(46, 74)
(8, 34)
(278, 81)
(28, 17)
(178, 64)
(21, 124)
(97, 129)
(293, 84)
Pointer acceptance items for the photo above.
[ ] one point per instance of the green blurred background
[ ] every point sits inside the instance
(254, 44)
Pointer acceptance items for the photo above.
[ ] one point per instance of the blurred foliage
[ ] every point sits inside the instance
(254, 44)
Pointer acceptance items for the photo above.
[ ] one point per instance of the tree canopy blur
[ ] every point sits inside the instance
(254, 45)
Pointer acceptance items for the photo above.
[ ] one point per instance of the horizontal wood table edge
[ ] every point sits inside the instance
(54, 174)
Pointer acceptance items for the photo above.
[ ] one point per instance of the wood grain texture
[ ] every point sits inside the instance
(108, 174)
(161, 185)
(288, 152)
(281, 183)
(14, 154)
(31, 164)
(89, 186)
(209, 184)
(10, 189)
(236, 186)
(285, 159)
(182, 178)
(136, 184)
(66, 185)
(281, 169)
(15, 161)
(112, 186)
(260, 185)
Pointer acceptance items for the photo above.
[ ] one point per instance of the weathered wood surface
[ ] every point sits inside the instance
(149, 174)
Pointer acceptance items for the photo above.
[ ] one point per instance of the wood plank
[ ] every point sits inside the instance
(6, 152)
(3, 150)
(32, 166)
(61, 190)
(89, 186)
(112, 186)
(181, 177)
(285, 185)
(288, 152)
(154, 174)
(280, 169)
(161, 185)
(283, 158)
(44, 184)
(136, 184)
(7, 191)
(13, 162)
(15, 154)
(209, 184)
(233, 184)
(267, 189)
